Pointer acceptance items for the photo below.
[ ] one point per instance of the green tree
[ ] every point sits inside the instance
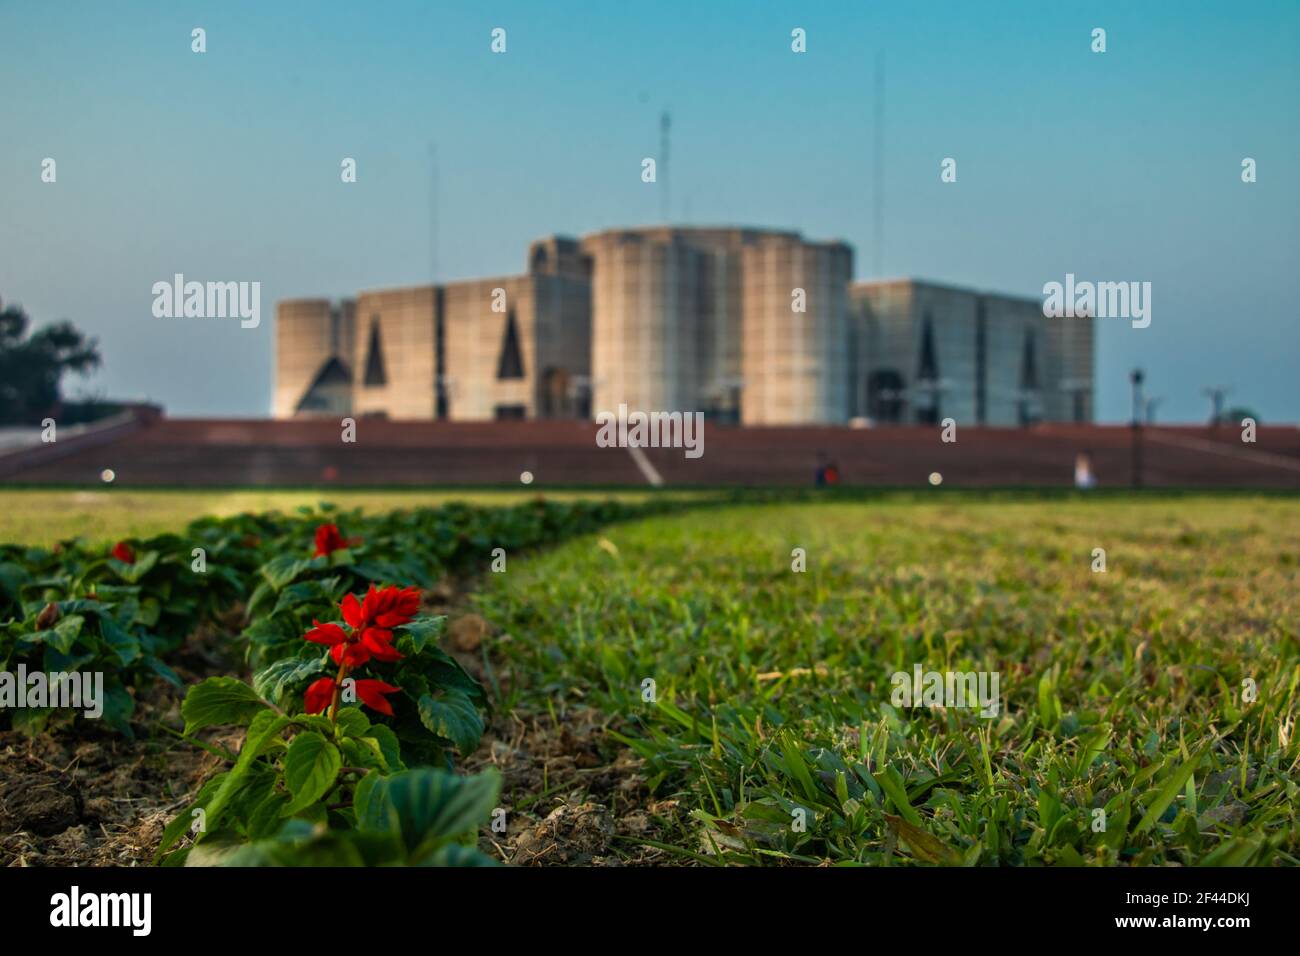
(32, 365)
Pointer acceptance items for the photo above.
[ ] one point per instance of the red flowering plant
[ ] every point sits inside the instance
(296, 587)
(368, 635)
(329, 540)
(384, 656)
(305, 791)
(313, 779)
(342, 552)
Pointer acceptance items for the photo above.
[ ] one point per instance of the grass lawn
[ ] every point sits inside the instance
(1126, 734)
(40, 517)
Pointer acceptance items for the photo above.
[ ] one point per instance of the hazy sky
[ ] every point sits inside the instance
(225, 166)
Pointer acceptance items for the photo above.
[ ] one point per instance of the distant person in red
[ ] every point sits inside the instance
(828, 473)
(1084, 479)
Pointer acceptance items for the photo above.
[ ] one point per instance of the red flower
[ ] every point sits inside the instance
(122, 551)
(375, 617)
(318, 696)
(330, 634)
(344, 648)
(391, 607)
(351, 609)
(328, 540)
(371, 694)
(379, 643)
(369, 634)
(356, 648)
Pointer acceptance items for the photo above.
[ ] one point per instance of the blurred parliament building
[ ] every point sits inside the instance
(749, 326)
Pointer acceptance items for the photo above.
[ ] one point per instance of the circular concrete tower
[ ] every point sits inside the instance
(795, 354)
(645, 305)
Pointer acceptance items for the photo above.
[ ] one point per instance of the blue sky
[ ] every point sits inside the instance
(225, 166)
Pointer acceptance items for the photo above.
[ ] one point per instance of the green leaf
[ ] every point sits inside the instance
(924, 846)
(352, 722)
(265, 820)
(281, 571)
(183, 821)
(63, 636)
(1173, 783)
(1091, 749)
(219, 701)
(361, 794)
(311, 768)
(433, 668)
(1049, 706)
(305, 592)
(423, 632)
(797, 767)
(261, 595)
(453, 715)
(892, 783)
(1235, 852)
(427, 807)
(298, 844)
(453, 854)
(264, 726)
(118, 705)
(279, 680)
(326, 850)
(132, 573)
(30, 721)
(386, 743)
(124, 644)
(12, 578)
(162, 670)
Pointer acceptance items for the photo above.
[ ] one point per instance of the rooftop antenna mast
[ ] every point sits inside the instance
(878, 188)
(1216, 394)
(433, 212)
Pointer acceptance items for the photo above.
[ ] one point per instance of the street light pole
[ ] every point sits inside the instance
(1135, 377)
(1216, 394)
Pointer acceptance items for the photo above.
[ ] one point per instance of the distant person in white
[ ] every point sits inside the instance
(1083, 476)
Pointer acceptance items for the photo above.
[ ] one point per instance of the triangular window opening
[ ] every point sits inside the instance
(929, 367)
(1029, 365)
(375, 357)
(330, 390)
(511, 363)
(926, 402)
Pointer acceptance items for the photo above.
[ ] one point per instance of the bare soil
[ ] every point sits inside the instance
(86, 796)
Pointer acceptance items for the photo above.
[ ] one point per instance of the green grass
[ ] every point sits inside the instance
(42, 517)
(1121, 691)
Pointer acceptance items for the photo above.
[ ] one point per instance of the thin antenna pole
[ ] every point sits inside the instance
(433, 213)
(665, 125)
(1216, 395)
(878, 251)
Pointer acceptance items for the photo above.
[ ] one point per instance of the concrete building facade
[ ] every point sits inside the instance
(648, 322)
(925, 352)
(796, 366)
(749, 326)
(483, 349)
(1068, 364)
(314, 346)
(702, 319)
